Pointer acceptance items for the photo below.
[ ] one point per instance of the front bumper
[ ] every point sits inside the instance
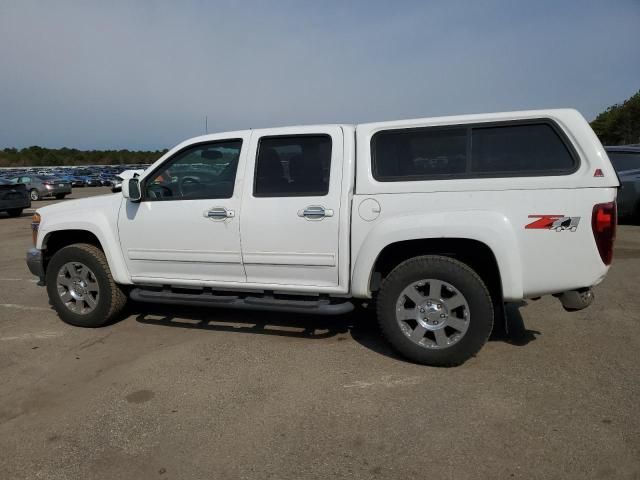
(35, 262)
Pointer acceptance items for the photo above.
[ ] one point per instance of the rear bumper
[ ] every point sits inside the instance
(56, 191)
(35, 262)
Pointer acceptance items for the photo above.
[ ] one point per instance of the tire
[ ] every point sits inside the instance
(71, 300)
(14, 212)
(34, 194)
(455, 322)
(60, 196)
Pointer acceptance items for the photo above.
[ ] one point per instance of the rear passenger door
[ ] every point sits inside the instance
(290, 219)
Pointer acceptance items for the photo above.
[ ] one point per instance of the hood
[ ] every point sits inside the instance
(108, 202)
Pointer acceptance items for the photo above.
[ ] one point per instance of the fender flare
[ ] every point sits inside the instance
(488, 227)
(108, 242)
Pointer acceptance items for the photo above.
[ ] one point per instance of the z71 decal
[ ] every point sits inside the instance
(558, 223)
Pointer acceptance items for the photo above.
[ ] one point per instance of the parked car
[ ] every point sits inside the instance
(14, 198)
(626, 161)
(439, 221)
(116, 184)
(76, 182)
(41, 186)
(92, 180)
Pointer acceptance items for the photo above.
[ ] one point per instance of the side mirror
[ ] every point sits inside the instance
(131, 189)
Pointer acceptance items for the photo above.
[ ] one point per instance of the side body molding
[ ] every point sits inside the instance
(489, 227)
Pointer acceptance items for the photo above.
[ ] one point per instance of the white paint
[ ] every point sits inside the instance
(281, 246)
(173, 239)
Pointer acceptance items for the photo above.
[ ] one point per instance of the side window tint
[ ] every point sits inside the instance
(419, 153)
(199, 172)
(294, 166)
(518, 148)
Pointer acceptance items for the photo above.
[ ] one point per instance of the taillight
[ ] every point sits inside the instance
(603, 223)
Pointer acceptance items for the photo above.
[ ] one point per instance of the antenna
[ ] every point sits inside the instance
(206, 124)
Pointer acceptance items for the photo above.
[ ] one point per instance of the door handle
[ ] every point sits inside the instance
(315, 212)
(219, 213)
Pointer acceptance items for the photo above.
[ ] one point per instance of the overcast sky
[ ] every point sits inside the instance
(143, 74)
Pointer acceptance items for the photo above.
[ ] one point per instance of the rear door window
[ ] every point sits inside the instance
(293, 166)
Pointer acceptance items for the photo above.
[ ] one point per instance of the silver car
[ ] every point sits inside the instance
(40, 186)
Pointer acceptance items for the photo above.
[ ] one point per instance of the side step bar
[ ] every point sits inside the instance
(207, 299)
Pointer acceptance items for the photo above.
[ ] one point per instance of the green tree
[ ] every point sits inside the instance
(619, 124)
(39, 156)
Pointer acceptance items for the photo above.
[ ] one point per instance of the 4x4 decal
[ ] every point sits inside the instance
(558, 223)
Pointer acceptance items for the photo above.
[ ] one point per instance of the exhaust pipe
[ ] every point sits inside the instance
(575, 300)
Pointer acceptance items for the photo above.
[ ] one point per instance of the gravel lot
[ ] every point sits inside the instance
(188, 393)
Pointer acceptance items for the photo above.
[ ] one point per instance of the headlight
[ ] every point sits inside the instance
(35, 225)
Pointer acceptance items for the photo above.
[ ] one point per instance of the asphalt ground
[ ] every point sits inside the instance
(187, 393)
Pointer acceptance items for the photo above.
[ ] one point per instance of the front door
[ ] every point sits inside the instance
(291, 207)
(186, 226)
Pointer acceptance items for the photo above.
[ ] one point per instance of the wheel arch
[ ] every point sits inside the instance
(484, 240)
(54, 240)
(473, 253)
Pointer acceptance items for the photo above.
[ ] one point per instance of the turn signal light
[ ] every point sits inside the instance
(603, 224)
(35, 225)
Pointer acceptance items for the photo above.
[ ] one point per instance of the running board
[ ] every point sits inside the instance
(321, 306)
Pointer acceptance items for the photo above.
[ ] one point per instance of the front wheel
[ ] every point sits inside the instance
(14, 212)
(81, 288)
(435, 310)
(34, 194)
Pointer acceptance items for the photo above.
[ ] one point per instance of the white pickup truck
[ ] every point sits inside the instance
(436, 221)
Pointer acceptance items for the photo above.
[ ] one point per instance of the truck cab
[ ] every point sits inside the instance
(266, 209)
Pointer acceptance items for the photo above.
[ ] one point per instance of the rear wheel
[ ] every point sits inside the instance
(435, 310)
(34, 194)
(60, 196)
(14, 212)
(81, 288)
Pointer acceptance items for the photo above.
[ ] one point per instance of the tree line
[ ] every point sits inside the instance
(30, 156)
(619, 124)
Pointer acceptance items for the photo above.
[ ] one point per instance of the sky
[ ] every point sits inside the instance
(144, 74)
